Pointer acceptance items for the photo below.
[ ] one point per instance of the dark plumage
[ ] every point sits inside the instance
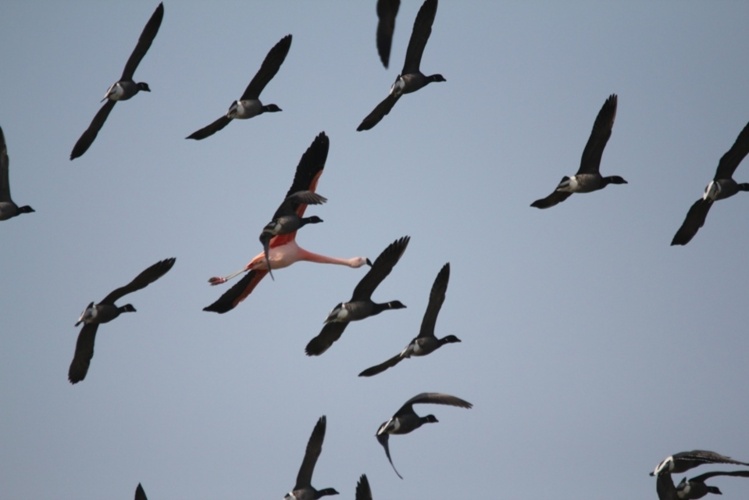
(692, 488)
(363, 492)
(386, 12)
(588, 177)
(140, 493)
(8, 208)
(104, 312)
(695, 487)
(125, 88)
(406, 420)
(425, 342)
(361, 304)
(249, 104)
(685, 460)
(287, 220)
(411, 78)
(722, 186)
(303, 489)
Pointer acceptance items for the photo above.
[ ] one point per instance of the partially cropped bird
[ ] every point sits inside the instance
(303, 489)
(125, 87)
(386, 12)
(721, 187)
(411, 78)
(8, 208)
(361, 305)
(426, 342)
(140, 493)
(286, 219)
(283, 249)
(588, 177)
(363, 492)
(406, 420)
(249, 105)
(104, 312)
(685, 460)
(692, 488)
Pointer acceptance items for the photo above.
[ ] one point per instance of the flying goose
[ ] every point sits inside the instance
(722, 186)
(425, 342)
(125, 87)
(303, 489)
(361, 305)
(406, 420)
(685, 460)
(249, 104)
(588, 177)
(8, 208)
(411, 78)
(104, 312)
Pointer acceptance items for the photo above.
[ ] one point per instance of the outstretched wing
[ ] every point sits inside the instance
(380, 269)
(419, 36)
(311, 454)
(87, 138)
(144, 42)
(84, 351)
(378, 113)
(436, 299)
(268, 69)
(551, 200)
(694, 220)
(144, 279)
(386, 12)
(210, 129)
(331, 332)
(731, 159)
(238, 292)
(599, 136)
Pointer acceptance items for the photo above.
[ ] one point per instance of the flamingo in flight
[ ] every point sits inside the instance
(283, 249)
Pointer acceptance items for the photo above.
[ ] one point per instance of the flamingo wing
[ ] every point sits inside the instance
(238, 292)
(307, 174)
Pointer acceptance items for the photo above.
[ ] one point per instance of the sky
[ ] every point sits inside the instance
(591, 349)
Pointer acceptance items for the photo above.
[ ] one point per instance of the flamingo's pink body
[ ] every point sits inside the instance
(285, 255)
(283, 250)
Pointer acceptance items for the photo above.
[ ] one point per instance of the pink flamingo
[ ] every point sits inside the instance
(283, 250)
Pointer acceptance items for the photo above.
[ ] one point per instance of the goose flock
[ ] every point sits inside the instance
(276, 248)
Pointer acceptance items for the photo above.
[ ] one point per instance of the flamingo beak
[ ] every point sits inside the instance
(369, 263)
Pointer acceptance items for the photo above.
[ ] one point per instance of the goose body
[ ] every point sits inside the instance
(588, 178)
(406, 420)
(249, 105)
(303, 489)
(8, 208)
(426, 342)
(105, 311)
(411, 78)
(721, 187)
(361, 305)
(125, 87)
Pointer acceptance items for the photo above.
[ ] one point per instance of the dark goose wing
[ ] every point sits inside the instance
(599, 136)
(144, 279)
(268, 69)
(84, 351)
(386, 12)
(144, 42)
(87, 138)
(694, 220)
(731, 159)
(419, 36)
(311, 454)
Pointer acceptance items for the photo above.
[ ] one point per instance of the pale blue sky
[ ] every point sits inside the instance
(591, 348)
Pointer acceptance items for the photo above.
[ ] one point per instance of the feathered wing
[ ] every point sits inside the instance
(591, 160)
(694, 220)
(311, 454)
(363, 491)
(378, 113)
(210, 129)
(4, 167)
(145, 278)
(665, 488)
(374, 370)
(84, 352)
(144, 42)
(419, 36)
(731, 159)
(436, 299)
(386, 12)
(269, 68)
(437, 398)
(88, 136)
(331, 332)
(140, 493)
(551, 200)
(380, 269)
(384, 439)
(238, 292)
